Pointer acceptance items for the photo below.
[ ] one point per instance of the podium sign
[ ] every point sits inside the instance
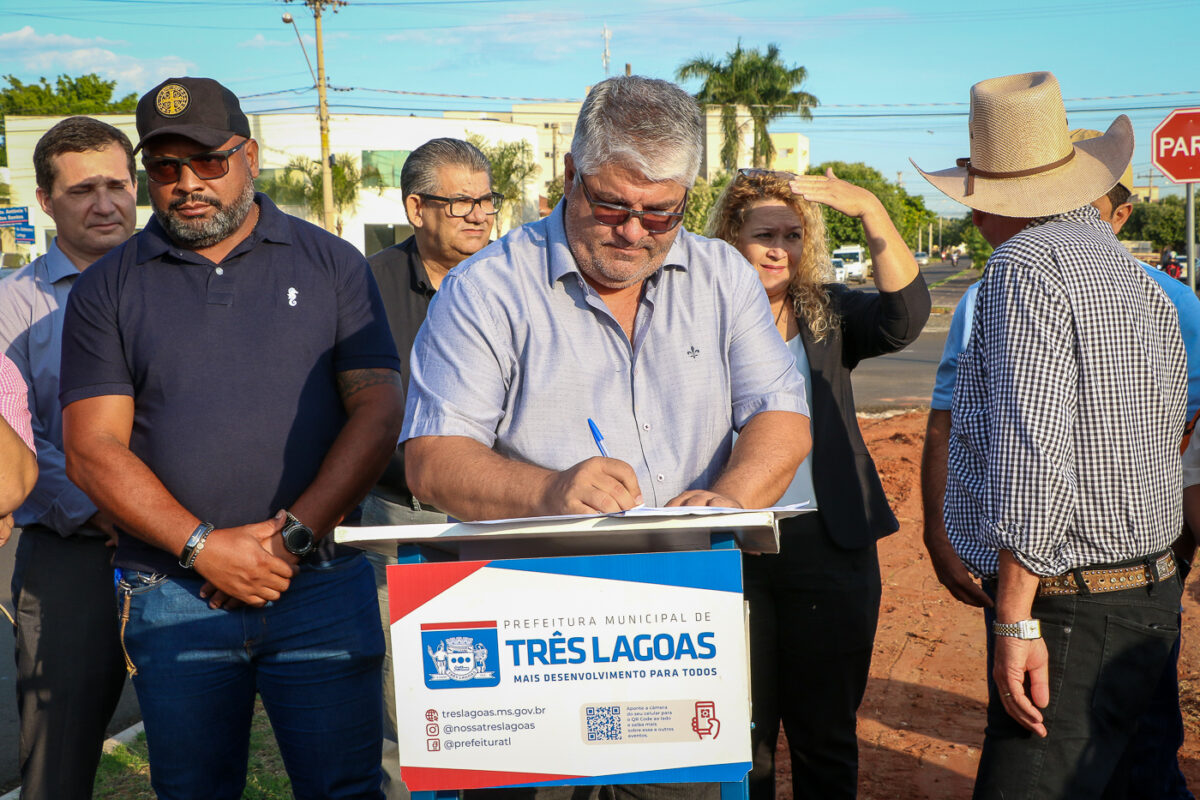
(571, 671)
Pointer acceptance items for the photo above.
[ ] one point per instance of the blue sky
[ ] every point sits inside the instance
(893, 80)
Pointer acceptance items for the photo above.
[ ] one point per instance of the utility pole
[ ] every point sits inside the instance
(605, 58)
(1149, 176)
(929, 239)
(318, 7)
(940, 250)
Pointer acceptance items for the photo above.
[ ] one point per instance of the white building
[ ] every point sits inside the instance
(378, 221)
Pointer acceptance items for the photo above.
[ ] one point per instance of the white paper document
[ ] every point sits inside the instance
(648, 511)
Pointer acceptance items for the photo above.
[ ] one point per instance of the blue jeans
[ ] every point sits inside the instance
(313, 655)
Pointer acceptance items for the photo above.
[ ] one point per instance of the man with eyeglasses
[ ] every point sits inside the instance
(606, 310)
(230, 392)
(448, 197)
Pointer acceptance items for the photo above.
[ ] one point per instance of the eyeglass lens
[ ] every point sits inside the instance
(613, 215)
(207, 166)
(463, 206)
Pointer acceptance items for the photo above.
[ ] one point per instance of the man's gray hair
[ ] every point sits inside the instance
(419, 173)
(646, 124)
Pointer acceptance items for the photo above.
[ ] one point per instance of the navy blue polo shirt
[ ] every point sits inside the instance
(231, 367)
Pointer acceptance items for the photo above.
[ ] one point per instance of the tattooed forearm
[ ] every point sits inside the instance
(353, 381)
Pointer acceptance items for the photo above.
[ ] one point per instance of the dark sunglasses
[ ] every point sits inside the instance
(206, 166)
(613, 215)
(463, 206)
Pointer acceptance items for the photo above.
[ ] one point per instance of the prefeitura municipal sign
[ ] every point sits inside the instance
(571, 671)
(1176, 146)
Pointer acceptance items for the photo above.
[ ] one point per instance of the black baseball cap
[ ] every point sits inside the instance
(198, 108)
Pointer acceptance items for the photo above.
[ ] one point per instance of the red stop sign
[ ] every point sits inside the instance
(1176, 143)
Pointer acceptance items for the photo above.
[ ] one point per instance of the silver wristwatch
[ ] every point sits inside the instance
(1025, 629)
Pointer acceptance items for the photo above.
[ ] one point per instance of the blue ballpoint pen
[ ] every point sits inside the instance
(599, 437)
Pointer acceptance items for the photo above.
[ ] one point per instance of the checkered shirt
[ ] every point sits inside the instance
(14, 403)
(1069, 407)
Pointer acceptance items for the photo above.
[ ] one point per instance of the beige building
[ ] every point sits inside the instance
(554, 124)
(376, 222)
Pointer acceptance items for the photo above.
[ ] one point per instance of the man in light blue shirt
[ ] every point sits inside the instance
(70, 670)
(606, 310)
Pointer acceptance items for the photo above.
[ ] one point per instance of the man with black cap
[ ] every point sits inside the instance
(230, 392)
(1063, 486)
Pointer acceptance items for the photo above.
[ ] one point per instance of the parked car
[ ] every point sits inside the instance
(922, 257)
(839, 270)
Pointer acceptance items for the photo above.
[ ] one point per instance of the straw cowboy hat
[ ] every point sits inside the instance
(1023, 162)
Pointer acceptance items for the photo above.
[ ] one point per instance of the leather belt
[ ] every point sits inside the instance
(1109, 579)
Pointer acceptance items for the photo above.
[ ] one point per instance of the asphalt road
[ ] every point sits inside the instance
(905, 379)
(900, 380)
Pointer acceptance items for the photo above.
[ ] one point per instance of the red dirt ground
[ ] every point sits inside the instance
(921, 724)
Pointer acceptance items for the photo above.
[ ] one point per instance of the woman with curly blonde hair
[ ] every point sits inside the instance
(815, 605)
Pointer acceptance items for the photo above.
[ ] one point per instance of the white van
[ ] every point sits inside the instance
(856, 262)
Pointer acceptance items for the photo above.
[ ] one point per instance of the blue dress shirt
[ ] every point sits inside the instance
(32, 305)
(518, 351)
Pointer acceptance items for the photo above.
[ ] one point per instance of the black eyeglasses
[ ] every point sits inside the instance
(613, 215)
(463, 206)
(206, 166)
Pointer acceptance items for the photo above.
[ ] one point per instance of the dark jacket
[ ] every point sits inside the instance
(849, 494)
(407, 292)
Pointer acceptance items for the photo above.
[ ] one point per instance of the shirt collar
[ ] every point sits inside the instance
(1084, 215)
(562, 261)
(418, 276)
(58, 266)
(272, 226)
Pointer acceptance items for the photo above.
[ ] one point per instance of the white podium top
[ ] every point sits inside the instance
(646, 530)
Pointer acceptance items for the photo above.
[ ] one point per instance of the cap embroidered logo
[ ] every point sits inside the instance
(172, 100)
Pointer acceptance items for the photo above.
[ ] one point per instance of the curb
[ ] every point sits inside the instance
(124, 737)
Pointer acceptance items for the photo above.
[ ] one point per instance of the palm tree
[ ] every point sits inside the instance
(512, 166)
(299, 184)
(760, 82)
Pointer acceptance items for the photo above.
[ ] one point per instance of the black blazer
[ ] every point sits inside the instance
(850, 497)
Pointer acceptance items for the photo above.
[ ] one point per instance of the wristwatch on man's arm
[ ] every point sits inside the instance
(1024, 629)
(298, 538)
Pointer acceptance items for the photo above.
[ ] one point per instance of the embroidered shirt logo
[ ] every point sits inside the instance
(693, 353)
(292, 295)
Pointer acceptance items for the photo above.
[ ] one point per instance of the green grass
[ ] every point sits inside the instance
(124, 774)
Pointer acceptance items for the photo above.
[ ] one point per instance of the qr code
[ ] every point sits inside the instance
(603, 723)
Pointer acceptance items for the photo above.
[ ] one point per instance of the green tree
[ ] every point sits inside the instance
(978, 249)
(907, 211)
(1161, 223)
(701, 198)
(512, 166)
(554, 191)
(87, 94)
(954, 230)
(300, 184)
(759, 81)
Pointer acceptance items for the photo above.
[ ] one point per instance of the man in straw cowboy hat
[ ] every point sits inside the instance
(1063, 489)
